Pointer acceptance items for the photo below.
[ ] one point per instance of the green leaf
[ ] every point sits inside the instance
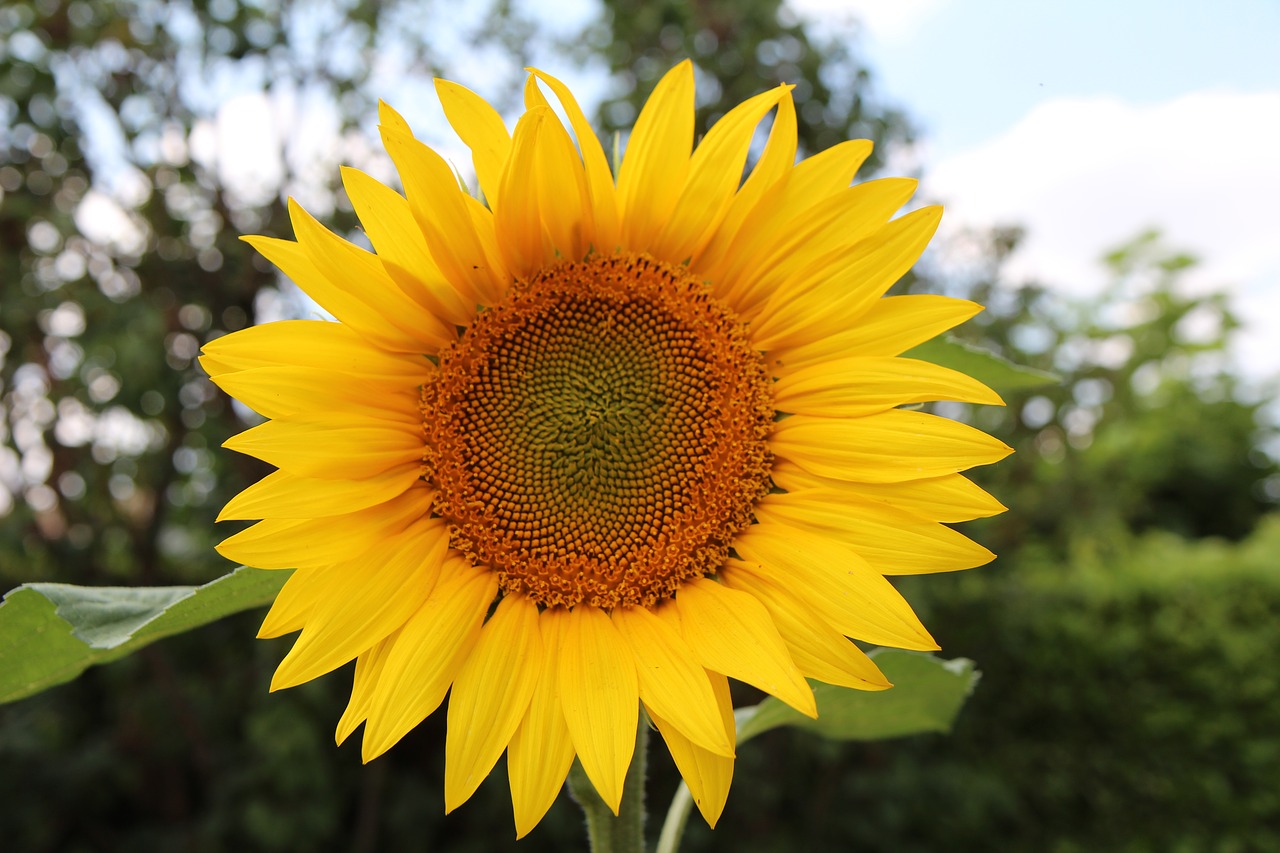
(926, 697)
(983, 365)
(52, 632)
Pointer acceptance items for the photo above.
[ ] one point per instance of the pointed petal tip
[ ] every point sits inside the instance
(279, 680)
(388, 118)
(809, 708)
(371, 749)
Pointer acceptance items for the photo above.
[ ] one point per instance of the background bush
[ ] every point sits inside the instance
(1129, 700)
(1131, 705)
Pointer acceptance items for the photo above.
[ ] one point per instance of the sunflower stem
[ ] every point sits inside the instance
(677, 817)
(606, 832)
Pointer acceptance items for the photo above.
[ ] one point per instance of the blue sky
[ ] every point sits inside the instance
(968, 69)
(1089, 121)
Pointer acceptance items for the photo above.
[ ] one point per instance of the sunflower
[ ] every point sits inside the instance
(594, 444)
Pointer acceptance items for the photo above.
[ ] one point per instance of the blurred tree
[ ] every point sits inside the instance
(739, 49)
(140, 139)
(121, 201)
(1150, 427)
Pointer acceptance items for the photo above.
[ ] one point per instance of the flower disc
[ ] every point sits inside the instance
(600, 435)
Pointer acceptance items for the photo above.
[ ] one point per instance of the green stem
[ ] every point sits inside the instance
(607, 833)
(677, 817)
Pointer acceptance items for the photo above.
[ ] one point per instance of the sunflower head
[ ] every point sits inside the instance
(595, 443)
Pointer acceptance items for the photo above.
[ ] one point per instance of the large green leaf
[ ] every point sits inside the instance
(52, 632)
(983, 365)
(927, 694)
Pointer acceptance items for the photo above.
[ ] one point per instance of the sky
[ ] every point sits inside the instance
(1090, 121)
(1086, 123)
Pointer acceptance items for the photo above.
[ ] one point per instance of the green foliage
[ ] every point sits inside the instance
(1148, 428)
(1137, 691)
(121, 203)
(989, 368)
(1131, 704)
(926, 697)
(51, 632)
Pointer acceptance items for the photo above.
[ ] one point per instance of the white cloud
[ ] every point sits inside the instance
(1084, 174)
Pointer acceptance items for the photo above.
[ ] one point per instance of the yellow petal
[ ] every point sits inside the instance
(835, 583)
(707, 774)
(949, 498)
(214, 366)
(318, 344)
(890, 326)
(533, 97)
(388, 117)
(656, 162)
(517, 222)
(284, 495)
(481, 129)
(600, 697)
(887, 447)
(499, 279)
(332, 446)
(892, 541)
(365, 601)
(782, 204)
(402, 249)
(604, 195)
(819, 301)
(360, 274)
(715, 172)
(276, 392)
(541, 750)
(851, 387)
(351, 309)
(368, 670)
(490, 696)
(294, 603)
(672, 681)
(805, 239)
(828, 172)
(285, 543)
(776, 162)
(432, 647)
(820, 651)
(564, 197)
(445, 217)
(732, 633)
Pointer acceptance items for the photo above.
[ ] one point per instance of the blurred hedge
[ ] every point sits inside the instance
(1132, 705)
(1126, 706)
